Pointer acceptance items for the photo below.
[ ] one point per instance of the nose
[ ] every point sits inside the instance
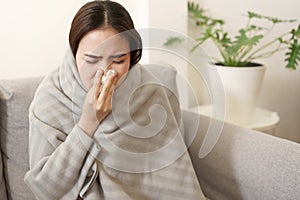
(105, 65)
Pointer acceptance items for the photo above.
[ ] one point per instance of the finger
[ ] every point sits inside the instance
(97, 83)
(108, 87)
(115, 80)
(113, 86)
(108, 101)
(103, 94)
(112, 82)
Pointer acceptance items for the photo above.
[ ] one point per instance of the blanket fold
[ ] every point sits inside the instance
(137, 152)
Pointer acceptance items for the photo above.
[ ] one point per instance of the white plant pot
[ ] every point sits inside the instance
(241, 88)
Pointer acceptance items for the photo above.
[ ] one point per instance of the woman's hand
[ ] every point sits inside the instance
(98, 103)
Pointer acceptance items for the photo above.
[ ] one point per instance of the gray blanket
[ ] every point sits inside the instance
(137, 152)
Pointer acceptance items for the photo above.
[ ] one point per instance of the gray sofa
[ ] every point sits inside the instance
(244, 164)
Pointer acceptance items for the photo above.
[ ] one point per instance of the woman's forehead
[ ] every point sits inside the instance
(107, 42)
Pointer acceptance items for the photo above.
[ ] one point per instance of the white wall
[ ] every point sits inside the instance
(281, 89)
(34, 33)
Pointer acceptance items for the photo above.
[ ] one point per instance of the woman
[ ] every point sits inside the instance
(90, 138)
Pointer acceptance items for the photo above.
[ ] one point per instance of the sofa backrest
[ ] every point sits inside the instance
(15, 98)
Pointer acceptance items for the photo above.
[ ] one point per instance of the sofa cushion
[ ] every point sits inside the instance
(3, 195)
(15, 99)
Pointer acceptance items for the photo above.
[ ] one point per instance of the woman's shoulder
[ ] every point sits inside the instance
(50, 103)
(47, 90)
(48, 82)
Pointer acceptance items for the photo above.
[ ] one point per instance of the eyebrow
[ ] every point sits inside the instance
(112, 56)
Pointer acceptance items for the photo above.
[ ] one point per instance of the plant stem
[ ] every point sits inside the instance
(267, 54)
(252, 55)
(270, 30)
(246, 51)
(220, 48)
(248, 23)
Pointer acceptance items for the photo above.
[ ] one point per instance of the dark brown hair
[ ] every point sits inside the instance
(98, 14)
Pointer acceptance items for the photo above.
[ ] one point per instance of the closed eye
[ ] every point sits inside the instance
(92, 61)
(119, 62)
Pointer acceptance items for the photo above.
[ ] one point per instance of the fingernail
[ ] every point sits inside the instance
(103, 80)
(98, 73)
(110, 72)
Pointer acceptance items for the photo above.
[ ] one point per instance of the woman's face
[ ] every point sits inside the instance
(102, 49)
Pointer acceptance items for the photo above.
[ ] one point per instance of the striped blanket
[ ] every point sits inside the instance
(137, 152)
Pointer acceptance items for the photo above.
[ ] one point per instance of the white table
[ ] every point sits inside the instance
(263, 120)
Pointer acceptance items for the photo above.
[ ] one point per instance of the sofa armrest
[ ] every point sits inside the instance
(244, 164)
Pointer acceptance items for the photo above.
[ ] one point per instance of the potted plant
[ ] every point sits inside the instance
(239, 54)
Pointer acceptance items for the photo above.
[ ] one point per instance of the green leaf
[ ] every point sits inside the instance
(293, 56)
(296, 33)
(254, 15)
(194, 10)
(192, 6)
(225, 40)
(255, 28)
(242, 41)
(199, 15)
(274, 20)
(172, 40)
